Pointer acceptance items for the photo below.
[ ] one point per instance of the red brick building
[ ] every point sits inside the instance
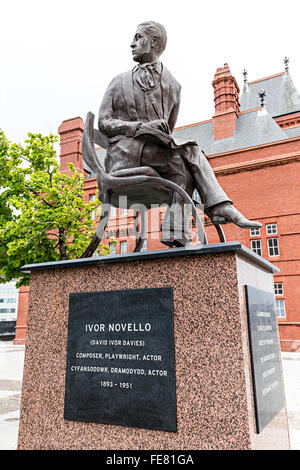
(253, 144)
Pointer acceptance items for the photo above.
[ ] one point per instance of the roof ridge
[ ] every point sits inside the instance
(266, 78)
(192, 125)
(251, 110)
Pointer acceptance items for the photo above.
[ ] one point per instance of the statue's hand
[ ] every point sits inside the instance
(160, 124)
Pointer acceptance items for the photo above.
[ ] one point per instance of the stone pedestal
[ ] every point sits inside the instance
(214, 387)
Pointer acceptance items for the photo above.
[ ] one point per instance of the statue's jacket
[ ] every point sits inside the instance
(120, 116)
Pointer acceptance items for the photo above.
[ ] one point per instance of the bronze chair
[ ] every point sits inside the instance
(142, 186)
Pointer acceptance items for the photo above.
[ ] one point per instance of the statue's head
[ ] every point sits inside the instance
(149, 42)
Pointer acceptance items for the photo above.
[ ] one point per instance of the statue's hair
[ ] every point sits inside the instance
(156, 29)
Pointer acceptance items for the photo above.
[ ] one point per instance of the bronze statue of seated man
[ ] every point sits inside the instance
(138, 114)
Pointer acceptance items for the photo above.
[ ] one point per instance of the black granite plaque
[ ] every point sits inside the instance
(265, 351)
(120, 358)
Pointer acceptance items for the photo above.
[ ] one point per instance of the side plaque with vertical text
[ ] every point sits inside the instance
(265, 351)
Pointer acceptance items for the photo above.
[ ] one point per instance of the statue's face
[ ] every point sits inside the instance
(142, 46)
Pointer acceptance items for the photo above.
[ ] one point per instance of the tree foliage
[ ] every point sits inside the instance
(43, 216)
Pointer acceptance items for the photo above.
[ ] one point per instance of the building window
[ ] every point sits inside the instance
(256, 247)
(123, 247)
(254, 232)
(112, 247)
(8, 302)
(7, 310)
(278, 288)
(145, 245)
(196, 196)
(113, 211)
(280, 308)
(271, 228)
(92, 199)
(124, 211)
(7, 290)
(273, 247)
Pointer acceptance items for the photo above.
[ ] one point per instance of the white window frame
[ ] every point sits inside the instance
(281, 311)
(122, 244)
(196, 196)
(255, 232)
(113, 211)
(256, 248)
(113, 248)
(278, 286)
(270, 248)
(271, 229)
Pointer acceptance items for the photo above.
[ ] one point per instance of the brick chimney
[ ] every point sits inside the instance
(71, 132)
(226, 97)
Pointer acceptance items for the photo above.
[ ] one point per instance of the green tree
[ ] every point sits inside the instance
(43, 216)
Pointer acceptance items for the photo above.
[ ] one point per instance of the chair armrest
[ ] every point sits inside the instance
(138, 171)
(100, 139)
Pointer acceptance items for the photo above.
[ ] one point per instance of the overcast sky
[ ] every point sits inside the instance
(58, 56)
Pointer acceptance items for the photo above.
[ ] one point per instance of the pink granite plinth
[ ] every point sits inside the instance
(215, 401)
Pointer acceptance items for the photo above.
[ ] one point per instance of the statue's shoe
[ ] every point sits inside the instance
(176, 242)
(227, 213)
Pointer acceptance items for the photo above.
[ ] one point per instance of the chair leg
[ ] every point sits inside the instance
(221, 233)
(141, 236)
(200, 228)
(88, 253)
(139, 241)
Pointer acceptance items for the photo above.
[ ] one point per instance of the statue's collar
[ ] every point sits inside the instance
(157, 66)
